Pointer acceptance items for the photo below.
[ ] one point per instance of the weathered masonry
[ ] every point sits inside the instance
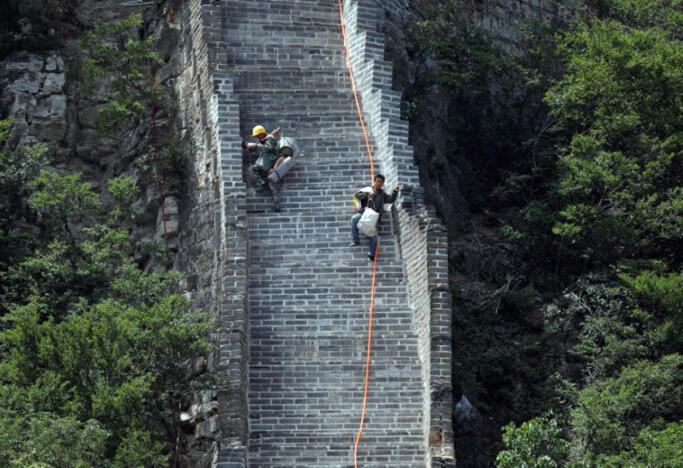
(291, 298)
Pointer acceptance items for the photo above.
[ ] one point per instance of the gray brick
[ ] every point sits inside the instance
(293, 320)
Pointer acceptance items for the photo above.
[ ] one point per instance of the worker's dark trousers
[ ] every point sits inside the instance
(355, 235)
(260, 180)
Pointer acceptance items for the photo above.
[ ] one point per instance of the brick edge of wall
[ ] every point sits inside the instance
(210, 116)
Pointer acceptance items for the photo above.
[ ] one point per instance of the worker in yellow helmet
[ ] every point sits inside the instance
(268, 159)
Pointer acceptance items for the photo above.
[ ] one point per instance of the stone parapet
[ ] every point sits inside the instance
(213, 242)
(233, 340)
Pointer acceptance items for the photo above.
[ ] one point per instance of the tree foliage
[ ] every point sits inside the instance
(17, 169)
(115, 53)
(619, 105)
(120, 61)
(469, 105)
(534, 444)
(30, 24)
(651, 447)
(585, 131)
(610, 412)
(91, 345)
(94, 346)
(617, 191)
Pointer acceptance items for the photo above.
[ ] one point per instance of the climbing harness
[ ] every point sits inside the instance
(374, 266)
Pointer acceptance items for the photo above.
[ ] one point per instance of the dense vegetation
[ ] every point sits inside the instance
(33, 24)
(90, 345)
(572, 148)
(93, 346)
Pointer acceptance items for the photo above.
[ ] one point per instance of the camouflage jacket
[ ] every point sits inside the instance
(267, 153)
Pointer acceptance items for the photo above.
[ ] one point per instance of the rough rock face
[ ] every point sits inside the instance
(503, 20)
(33, 93)
(46, 108)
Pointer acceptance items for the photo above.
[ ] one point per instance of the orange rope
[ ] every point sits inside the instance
(355, 92)
(374, 266)
(367, 361)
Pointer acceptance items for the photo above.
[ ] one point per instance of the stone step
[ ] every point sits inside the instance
(334, 283)
(303, 97)
(320, 221)
(304, 120)
(291, 346)
(336, 328)
(351, 283)
(286, 80)
(277, 32)
(262, 205)
(299, 13)
(265, 254)
(288, 106)
(359, 273)
(302, 423)
(283, 58)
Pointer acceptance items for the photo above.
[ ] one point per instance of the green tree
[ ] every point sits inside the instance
(652, 447)
(611, 412)
(619, 104)
(17, 170)
(534, 444)
(111, 363)
(30, 24)
(44, 439)
(92, 345)
(115, 53)
(665, 14)
(595, 173)
(120, 60)
(81, 253)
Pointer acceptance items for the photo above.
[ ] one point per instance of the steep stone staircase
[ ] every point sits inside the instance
(309, 292)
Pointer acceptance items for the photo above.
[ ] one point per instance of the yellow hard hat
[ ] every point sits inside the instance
(258, 130)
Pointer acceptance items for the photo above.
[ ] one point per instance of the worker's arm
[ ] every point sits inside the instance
(270, 145)
(279, 161)
(394, 193)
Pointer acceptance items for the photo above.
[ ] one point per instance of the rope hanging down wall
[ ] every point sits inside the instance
(374, 266)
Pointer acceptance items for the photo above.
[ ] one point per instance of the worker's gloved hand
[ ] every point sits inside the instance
(396, 189)
(244, 145)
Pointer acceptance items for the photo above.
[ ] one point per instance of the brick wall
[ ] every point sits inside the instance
(213, 246)
(423, 240)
